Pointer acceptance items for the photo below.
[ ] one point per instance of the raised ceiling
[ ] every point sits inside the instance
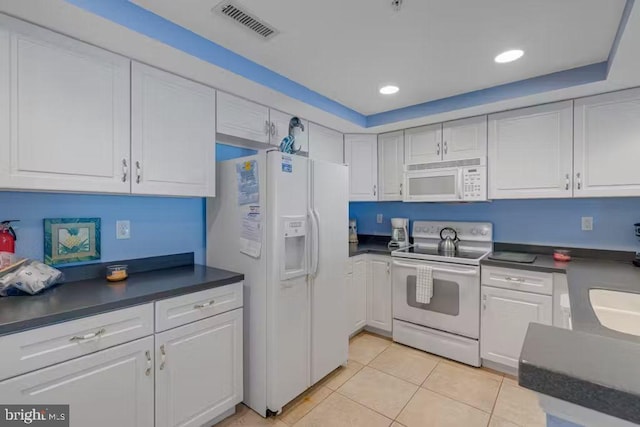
(431, 49)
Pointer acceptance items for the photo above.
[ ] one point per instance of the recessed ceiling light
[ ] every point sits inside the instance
(509, 56)
(389, 89)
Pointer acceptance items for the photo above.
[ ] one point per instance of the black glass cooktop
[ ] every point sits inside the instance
(434, 251)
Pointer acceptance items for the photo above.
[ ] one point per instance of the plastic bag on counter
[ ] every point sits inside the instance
(28, 276)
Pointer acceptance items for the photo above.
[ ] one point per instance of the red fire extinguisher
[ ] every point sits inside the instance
(7, 237)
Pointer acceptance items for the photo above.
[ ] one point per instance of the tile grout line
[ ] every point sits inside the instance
(365, 406)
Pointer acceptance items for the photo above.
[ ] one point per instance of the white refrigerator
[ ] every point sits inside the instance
(294, 295)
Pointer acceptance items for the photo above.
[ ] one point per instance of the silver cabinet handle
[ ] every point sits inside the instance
(375, 190)
(388, 268)
(163, 357)
(566, 182)
(579, 180)
(138, 173)
(266, 127)
(484, 302)
(438, 148)
(205, 304)
(273, 129)
(514, 279)
(125, 170)
(147, 354)
(80, 338)
(445, 147)
(401, 189)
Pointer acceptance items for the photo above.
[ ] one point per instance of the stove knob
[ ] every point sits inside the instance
(485, 231)
(474, 231)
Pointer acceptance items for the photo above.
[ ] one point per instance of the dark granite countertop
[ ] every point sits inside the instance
(368, 244)
(89, 296)
(591, 365)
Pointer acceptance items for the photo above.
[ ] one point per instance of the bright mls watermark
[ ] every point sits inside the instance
(34, 415)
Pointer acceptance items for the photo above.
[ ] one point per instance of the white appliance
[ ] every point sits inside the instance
(456, 180)
(449, 325)
(294, 296)
(399, 233)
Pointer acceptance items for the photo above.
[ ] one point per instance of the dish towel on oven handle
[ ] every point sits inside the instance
(424, 284)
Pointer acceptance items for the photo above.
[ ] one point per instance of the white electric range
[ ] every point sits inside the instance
(449, 325)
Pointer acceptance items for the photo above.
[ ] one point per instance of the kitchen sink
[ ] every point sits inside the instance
(617, 310)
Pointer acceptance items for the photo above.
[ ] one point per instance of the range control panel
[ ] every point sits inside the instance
(474, 183)
(472, 231)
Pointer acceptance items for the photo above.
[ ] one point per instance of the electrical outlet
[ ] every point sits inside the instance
(123, 229)
(587, 223)
(379, 218)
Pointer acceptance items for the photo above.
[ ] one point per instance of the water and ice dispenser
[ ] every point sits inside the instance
(294, 261)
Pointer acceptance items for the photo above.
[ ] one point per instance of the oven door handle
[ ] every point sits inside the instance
(473, 272)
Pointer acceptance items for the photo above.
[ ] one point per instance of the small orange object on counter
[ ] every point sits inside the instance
(116, 273)
(562, 255)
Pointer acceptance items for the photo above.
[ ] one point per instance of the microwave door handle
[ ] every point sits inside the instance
(460, 184)
(439, 270)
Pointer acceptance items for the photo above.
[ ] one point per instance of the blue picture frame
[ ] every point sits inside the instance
(69, 240)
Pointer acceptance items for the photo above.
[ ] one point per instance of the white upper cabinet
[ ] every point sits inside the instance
(464, 139)
(530, 152)
(390, 165)
(423, 144)
(173, 133)
(607, 145)
(325, 144)
(361, 154)
(64, 113)
(243, 119)
(280, 129)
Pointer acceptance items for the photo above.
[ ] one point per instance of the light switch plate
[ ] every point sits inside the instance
(123, 229)
(379, 218)
(587, 223)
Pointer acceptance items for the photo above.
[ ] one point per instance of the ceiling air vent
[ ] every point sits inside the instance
(237, 13)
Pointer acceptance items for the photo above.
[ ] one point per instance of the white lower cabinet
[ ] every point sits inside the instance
(358, 295)
(506, 315)
(113, 387)
(379, 293)
(199, 370)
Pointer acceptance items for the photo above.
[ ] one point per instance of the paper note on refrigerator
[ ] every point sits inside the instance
(248, 182)
(251, 232)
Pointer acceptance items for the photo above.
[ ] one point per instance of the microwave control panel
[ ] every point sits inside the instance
(474, 183)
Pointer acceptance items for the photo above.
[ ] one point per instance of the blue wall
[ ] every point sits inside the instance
(228, 152)
(554, 222)
(159, 225)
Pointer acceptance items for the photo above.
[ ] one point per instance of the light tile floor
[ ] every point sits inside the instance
(387, 384)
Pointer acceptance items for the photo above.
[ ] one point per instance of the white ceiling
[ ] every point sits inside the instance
(431, 49)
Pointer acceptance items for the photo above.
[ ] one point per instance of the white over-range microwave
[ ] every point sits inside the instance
(448, 181)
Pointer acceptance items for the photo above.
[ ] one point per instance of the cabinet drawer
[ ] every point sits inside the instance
(520, 280)
(37, 348)
(188, 308)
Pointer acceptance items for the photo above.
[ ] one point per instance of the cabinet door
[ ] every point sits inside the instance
(607, 145)
(199, 370)
(530, 152)
(280, 129)
(506, 316)
(390, 165)
(325, 144)
(109, 388)
(64, 113)
(464, 139)
(173, 134)
(379, 294)
(243, 119)
(423, 144)
(358, 295)
(362, 158)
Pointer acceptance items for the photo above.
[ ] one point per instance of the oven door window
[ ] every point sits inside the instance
(445, 299)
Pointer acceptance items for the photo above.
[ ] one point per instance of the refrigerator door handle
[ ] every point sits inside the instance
(315, 241)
